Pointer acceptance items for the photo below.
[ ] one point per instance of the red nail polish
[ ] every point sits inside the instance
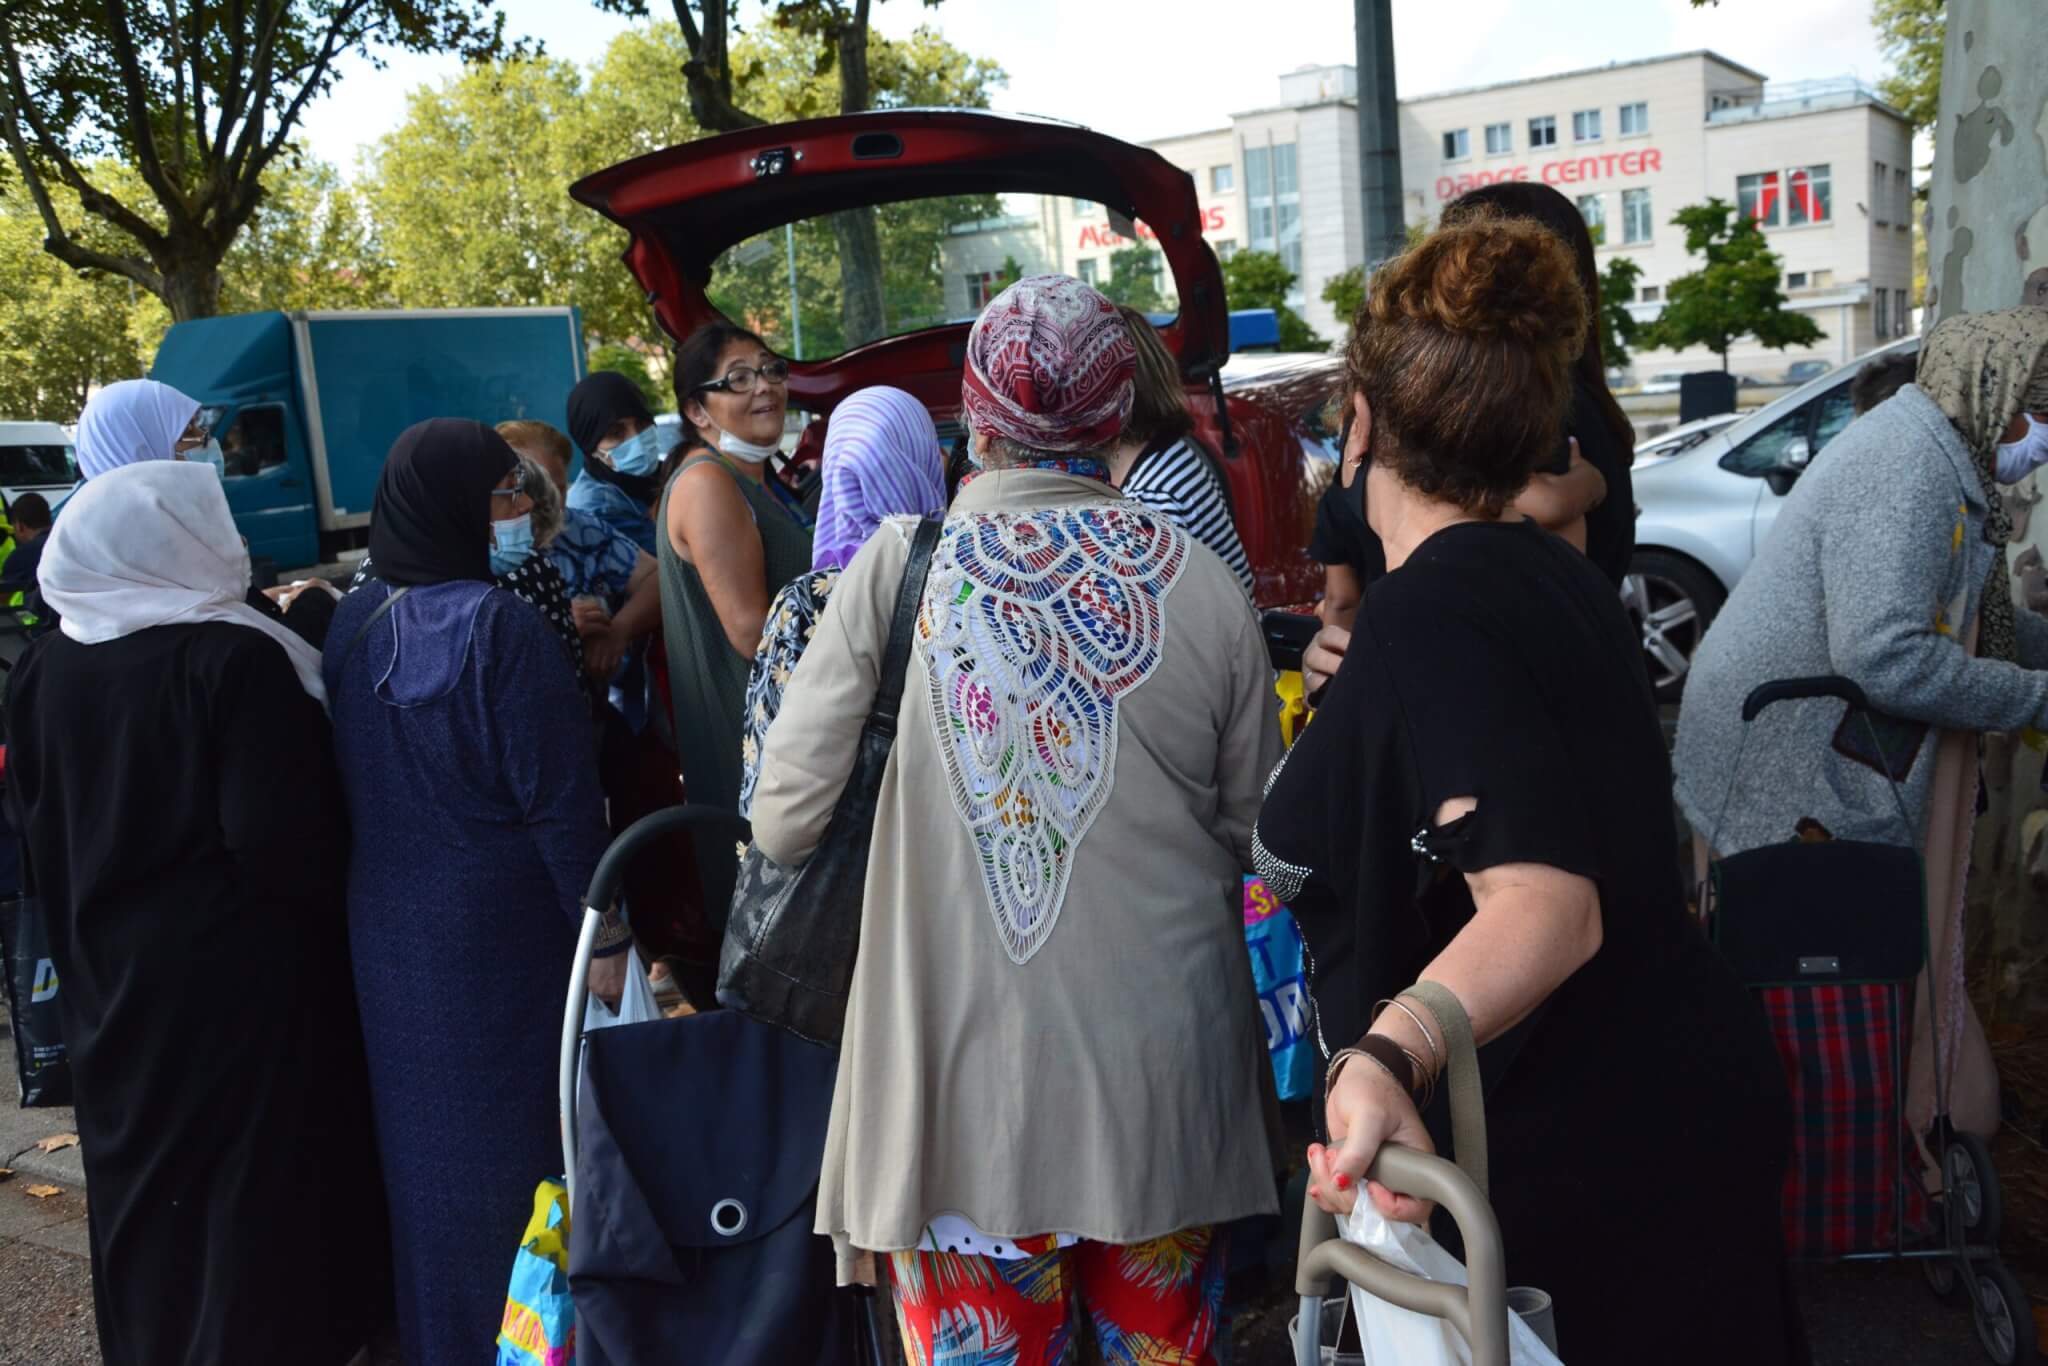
(1343, 1182)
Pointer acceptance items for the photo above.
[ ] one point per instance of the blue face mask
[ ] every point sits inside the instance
(643, 454)
(511, 543)
(209, 454)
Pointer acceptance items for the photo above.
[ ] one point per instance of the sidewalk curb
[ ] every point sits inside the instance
(62, 1168)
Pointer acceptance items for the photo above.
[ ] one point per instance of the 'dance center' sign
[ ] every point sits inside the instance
(1571, 171)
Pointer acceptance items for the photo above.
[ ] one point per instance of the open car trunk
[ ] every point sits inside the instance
(704, 213)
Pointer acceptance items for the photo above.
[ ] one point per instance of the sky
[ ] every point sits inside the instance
(1141, 69)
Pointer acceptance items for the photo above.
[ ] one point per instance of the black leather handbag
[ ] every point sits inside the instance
(789, 943)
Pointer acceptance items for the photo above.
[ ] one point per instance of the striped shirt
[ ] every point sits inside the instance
(1179, 483)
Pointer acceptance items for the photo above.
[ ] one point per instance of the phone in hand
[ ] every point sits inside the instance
(1288, 636)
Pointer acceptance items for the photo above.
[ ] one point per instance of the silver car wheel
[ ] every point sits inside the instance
(1669, 621)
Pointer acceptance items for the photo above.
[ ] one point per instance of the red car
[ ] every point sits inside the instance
(708, 219)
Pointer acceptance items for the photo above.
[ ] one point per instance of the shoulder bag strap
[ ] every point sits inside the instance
(371, 620)
(1461, 1073)
(896, 657)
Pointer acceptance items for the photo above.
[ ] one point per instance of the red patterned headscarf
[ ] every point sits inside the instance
(1049, 366)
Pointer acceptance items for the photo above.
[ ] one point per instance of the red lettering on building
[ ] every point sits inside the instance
(1567, 172)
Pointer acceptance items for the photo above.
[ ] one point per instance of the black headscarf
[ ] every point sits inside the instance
(599, 399)
(431, 522)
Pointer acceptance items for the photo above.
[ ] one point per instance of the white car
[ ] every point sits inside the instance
(1703, 512)
(1682, 438)
(35, 457)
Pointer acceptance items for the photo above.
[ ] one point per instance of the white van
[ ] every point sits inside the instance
(36, 457)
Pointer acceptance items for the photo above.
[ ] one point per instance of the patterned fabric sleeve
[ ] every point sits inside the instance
(792, 619)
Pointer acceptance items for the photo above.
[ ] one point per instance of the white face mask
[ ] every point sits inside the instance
(2018, 459)
(739, 448)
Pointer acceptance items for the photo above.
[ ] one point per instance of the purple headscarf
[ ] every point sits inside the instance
(882, 459)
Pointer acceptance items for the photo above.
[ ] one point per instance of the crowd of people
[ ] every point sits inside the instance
(313, 860)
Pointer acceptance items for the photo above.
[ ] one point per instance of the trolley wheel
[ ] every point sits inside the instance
(2005, 1317)
(1971, 1183)
(1943, 1278)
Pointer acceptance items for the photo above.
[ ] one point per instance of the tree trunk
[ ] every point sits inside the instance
(192, 291)
(859, 240)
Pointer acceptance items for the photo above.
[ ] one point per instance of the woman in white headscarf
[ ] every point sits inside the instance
(173, 779)
(137, 420)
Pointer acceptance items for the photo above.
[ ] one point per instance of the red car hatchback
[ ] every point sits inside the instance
(741, 225)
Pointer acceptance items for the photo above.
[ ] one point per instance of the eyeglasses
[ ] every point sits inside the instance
(745, 379)
(197, 433)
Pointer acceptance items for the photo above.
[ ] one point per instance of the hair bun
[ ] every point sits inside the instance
(1491, 278)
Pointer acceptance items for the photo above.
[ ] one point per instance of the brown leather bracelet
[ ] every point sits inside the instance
(1391, 1056)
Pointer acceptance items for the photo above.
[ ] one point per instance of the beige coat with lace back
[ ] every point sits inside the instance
(1108, 1084)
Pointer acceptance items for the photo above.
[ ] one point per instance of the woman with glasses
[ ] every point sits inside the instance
(733, 535)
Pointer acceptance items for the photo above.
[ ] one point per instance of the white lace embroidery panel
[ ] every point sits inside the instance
(1034, 624)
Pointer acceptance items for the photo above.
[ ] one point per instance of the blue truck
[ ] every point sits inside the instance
(306, 404)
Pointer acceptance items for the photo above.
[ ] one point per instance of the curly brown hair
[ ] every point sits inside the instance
(1463, 350)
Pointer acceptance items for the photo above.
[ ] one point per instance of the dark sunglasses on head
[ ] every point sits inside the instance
(744, 379)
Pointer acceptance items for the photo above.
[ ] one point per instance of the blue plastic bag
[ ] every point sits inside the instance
(1274, 941)
(539, 1328)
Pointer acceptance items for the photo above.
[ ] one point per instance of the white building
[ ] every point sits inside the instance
(1824, 166)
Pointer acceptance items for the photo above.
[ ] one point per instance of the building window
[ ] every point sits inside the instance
(1222, 179)
(1651, 294)
(1226, 249)
(1795, 279)
(1087, 270)
(1635, 118)
(1635, 215)
(1457, 144)
(1543, 131)
(1822, 279)
(1274, 193)
(1593, 208)
(1084, 208)
(1880, 205)
(1586, 126)
(1884, 314)
(982, 286)
(1902, 195)
(1500, 139)
(1809, 197)
(1756, 198)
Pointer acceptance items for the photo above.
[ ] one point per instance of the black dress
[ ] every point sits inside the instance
(1639, 1122)
(176, 792)
(1611, 527)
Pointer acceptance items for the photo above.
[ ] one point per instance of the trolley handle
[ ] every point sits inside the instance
(1795, 689)
(1477, 1309)
(604, 886)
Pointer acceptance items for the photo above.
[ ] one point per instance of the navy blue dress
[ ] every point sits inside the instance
(472, 794)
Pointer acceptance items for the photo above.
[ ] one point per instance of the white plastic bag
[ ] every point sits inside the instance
(636, 1002)
(1394, 1336)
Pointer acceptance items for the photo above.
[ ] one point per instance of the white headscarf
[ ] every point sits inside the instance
(129, 422)
(151, 544)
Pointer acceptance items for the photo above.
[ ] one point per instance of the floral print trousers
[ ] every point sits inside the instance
(1150, 1304)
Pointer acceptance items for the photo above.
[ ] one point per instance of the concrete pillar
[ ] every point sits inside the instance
(1988, 249)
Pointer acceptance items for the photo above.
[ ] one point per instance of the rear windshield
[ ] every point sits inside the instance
(814, 289)
(37, 465)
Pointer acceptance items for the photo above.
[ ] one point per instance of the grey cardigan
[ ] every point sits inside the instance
(1874, 571)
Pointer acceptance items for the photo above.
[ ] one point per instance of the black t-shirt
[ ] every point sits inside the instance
(1611, 527)
(1342, 535)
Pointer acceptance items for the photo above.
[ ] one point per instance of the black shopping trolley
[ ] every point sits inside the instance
(1831, 935)
(692, 1148)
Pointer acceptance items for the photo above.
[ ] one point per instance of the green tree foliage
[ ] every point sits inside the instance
(633, 365)
(201, 100)
(67, 331)
(1734, 294)
(311, 244)
(1133, 281)
(1344, 292)
(1260, 279)
(1618, 327)
(1911, 33)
